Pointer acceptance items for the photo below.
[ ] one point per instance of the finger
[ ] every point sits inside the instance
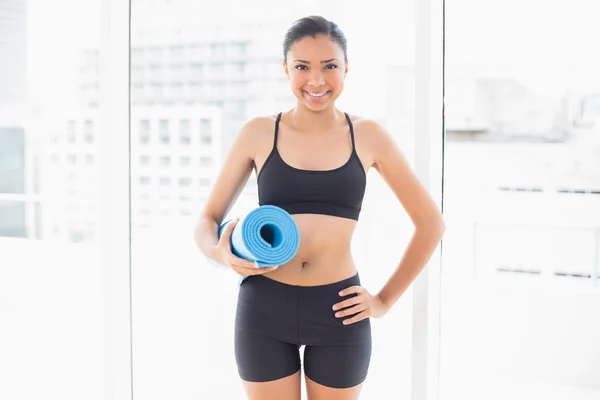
(350, 311)
(241, 263)
(253, 271)
(229, 228)
(348, 303)
(264, 270)
(356, 318)
(350, 290)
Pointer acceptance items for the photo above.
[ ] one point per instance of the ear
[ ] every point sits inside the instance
(285, 69)
(346, 69)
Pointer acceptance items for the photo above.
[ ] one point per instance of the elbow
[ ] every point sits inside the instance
(442, 228)
(435, 227)
(440, 225)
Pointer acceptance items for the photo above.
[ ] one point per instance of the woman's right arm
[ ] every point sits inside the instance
(229, 184)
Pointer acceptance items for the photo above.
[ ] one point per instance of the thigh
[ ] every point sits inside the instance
(316, 391)
(260, 358)
(338, 367)
(287, 388)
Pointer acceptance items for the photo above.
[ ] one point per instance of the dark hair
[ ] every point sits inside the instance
(312, 26)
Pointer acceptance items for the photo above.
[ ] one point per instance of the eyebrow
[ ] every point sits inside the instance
(322, 62)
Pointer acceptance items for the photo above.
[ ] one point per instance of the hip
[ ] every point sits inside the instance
(296, 314)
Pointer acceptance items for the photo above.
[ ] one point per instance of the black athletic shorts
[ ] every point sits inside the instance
(274, 319)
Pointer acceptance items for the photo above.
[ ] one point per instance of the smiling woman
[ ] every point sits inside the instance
(312, 161)
(273, 100)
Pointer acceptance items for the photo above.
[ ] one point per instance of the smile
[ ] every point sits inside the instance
(317, 95)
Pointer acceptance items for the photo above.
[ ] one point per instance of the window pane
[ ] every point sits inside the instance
(51, 282)
(227, 58)
(522, 201)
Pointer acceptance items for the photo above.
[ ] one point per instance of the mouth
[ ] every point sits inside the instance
(317, 95)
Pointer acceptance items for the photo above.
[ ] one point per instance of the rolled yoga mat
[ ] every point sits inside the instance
(267, 235)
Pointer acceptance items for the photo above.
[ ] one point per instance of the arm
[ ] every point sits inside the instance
(227, 188)
(393, 167)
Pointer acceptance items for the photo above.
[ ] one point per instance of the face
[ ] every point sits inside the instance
(316, 70)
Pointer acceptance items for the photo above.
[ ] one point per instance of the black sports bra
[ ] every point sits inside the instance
(338, 192)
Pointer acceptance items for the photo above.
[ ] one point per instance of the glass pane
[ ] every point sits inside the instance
(521, 280)
(51, 309)
(227, 58)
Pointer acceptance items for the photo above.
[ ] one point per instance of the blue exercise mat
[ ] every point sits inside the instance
(267, 235)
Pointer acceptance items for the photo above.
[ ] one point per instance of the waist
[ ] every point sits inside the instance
(324, 255)
(314, 269)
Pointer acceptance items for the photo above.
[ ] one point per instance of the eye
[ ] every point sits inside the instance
(300, 67)
(331, 65)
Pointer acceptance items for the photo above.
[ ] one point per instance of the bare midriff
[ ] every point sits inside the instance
(324, 255)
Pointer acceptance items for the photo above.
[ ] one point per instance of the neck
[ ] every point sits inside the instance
(309, 120)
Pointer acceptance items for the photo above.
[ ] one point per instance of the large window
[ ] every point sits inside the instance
(521, 278)
(184, 307)
(51, 263)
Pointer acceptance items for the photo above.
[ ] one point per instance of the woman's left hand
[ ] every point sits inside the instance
(364, 303)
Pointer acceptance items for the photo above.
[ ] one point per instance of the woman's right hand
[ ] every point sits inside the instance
(239, 265)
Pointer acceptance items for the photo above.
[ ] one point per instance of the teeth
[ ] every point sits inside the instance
(317, 94)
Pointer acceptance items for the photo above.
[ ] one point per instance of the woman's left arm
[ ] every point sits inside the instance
(394, 168)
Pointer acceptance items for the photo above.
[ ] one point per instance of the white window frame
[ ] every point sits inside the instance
(115, 231)
(429, 145)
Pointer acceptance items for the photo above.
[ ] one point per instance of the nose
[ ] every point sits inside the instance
(316, 78)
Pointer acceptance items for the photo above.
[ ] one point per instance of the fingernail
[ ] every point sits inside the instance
(341, 293)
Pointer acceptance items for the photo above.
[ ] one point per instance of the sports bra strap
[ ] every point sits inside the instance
(351, 131)
(276, 129)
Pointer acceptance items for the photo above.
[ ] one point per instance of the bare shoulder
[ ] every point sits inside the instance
(371, 136)
(257, 132)
(368, 130)
(257, 126)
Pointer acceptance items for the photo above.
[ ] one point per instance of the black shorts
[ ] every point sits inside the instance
(274, 319)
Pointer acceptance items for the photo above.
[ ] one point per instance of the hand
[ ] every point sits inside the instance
(239, 265)
(367, 305)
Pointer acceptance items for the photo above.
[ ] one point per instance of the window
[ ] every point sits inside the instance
(205, 131)
(176, 90)
(144, 131)
(164, 131)
(49, 116)
(185, 131)
(71, 131)
(205, 182)
(217, 99)
(205, 161)
(177, 54)
(184, 182)
(185, 161)
(519, 246)
(89, 131)
(165, 160)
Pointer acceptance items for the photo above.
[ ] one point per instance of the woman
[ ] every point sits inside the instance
(312, 161)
